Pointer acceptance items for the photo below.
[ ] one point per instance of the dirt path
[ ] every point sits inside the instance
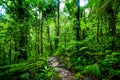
(59, 67)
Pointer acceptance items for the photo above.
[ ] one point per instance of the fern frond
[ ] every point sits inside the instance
(95, 70)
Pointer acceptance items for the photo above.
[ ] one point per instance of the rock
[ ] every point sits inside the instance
(59, 67)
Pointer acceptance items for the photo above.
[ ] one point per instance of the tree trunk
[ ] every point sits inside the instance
(101, 27)
(98, 29)
(78, 23)
(77, 28)
(58, 27)
(19, 14)
(49, 40)
(112, 24)
(42, 33)
(10, 51)
(111, 19)
(84, 12)
(23, 33)
(38, 40)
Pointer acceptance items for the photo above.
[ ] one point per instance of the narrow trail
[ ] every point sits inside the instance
(59, 67)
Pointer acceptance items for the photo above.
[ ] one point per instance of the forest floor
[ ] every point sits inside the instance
(59, 67)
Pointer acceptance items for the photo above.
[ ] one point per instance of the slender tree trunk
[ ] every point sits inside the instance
(16, 39)
(98, 29)
(36, 41)
(35, 48)
(84, 13)
(22, 44)
(77, 29)
(23, 33)
(78, 23)
(16, 45)
(101, 27)
(42, 34)
(58, 26)
(10, 51)
(38, 46)
(65, 39)
(55, 43)
(112, 24)
(39, 29)
(49, 39)
(111, 19)
(89, 16)
(16, 42)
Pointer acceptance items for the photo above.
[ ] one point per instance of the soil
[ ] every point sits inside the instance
(59, 67)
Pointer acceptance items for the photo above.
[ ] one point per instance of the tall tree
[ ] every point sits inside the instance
(22, 15)
(42, 33)
(78, 22)
(49, 39)
(58, 25)
(111, 19)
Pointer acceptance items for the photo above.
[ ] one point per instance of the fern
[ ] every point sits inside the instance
(18, 71)
(95, 70)
(25, 76)
(113, 72)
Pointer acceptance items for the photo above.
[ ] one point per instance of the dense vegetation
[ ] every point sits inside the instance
(86, 38)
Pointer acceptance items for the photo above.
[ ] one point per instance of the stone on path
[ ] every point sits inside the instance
(64, 73)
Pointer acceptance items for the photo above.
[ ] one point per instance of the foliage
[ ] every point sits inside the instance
(87, 38)
(28, 71)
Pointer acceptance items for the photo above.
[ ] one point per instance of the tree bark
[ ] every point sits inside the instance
(58, 26)
(42, 33)
(84, 12)
(10, 51)
(49, 39)
(78, 23)
(22, 38)
(111, 19)
(98, 29)
(112, 24)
